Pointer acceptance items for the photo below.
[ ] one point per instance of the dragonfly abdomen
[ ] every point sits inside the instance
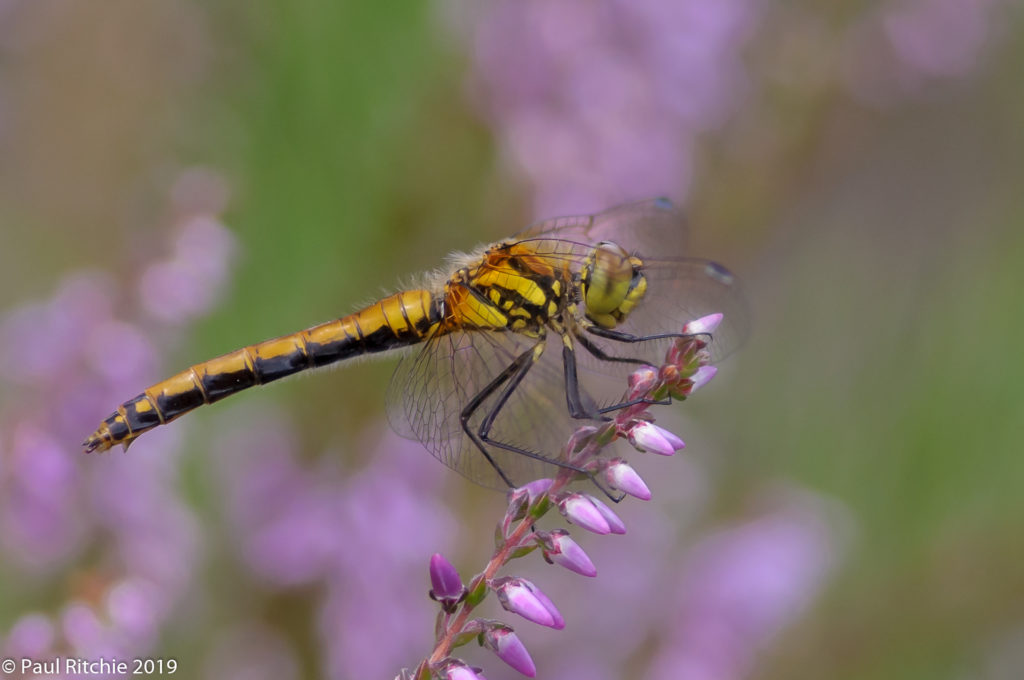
(398, 320)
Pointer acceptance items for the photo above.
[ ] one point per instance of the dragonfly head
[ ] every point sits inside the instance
(612, 282)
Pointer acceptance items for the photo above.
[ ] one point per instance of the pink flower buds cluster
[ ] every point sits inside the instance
(686, 369)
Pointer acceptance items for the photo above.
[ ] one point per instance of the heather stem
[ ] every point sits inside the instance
(500, 557)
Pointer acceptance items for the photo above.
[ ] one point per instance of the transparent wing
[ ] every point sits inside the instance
(430, 389)
(685, 289)
(678, 291)
(648, 227)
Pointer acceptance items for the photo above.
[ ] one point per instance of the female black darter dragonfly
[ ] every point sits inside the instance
(505, 349)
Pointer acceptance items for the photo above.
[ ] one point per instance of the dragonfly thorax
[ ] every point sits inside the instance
(510, 288)
(612, 283)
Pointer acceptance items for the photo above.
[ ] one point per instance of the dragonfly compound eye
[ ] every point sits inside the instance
(612, 283)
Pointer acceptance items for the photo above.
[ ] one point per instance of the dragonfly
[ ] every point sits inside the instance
(505, 351)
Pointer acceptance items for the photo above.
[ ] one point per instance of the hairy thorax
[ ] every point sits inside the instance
(509, 288)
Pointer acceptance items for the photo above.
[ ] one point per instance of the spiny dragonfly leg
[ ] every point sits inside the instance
(599, 353)
(513, 375)
(572, 385)
(514, 368)
(633, 402)
(620, 336)
(574, 400)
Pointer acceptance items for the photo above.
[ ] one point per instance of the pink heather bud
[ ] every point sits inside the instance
(559, 622)
(519, 596)
(579, 509)
(500, 639)
(522, 498)
(580, 438)
(669, 373)
(622, 476)
(565, 552)
(446, 586)
(647, 436)
(615, 523)
(705, 324)
(676, 443)
(642, 380)
(536, 488)
(701, 377)
(453, 669)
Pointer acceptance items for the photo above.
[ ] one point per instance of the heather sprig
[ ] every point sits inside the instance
(685, 370)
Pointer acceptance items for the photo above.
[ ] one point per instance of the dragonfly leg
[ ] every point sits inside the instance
(620, 336)
(599, 353)
(515, 368)
(572, 386)
(573, 398)
(633, 402)
(508, 380)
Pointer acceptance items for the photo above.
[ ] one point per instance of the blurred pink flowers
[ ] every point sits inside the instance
(597, 103)
(66, 358)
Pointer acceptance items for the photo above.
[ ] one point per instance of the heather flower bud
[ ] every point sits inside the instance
(537, 488)
(453, 669)
(579, 509)
(615, 523)
(522, 500)
(559, 548)
(556, 616)
(580, 438)
(669, 373)
(674, 441)
(641, 381)
(622, 476)
(701, 377)
(647, 436)
(519, 596)
(705, 324)
(446, 586)
(500, 639)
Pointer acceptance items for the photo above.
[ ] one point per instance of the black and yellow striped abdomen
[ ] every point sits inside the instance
(399, 320)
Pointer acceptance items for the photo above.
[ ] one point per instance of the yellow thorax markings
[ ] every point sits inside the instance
(510, 287)
(508, 278)
(466, 310)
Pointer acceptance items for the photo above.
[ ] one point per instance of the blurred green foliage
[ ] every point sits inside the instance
(357, 164)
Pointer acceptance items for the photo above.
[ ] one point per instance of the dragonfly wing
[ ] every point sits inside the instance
(430, 389)
(678, 291)
(650, 226)
(685, 289)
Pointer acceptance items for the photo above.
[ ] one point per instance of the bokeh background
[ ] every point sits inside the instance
(178, 179)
